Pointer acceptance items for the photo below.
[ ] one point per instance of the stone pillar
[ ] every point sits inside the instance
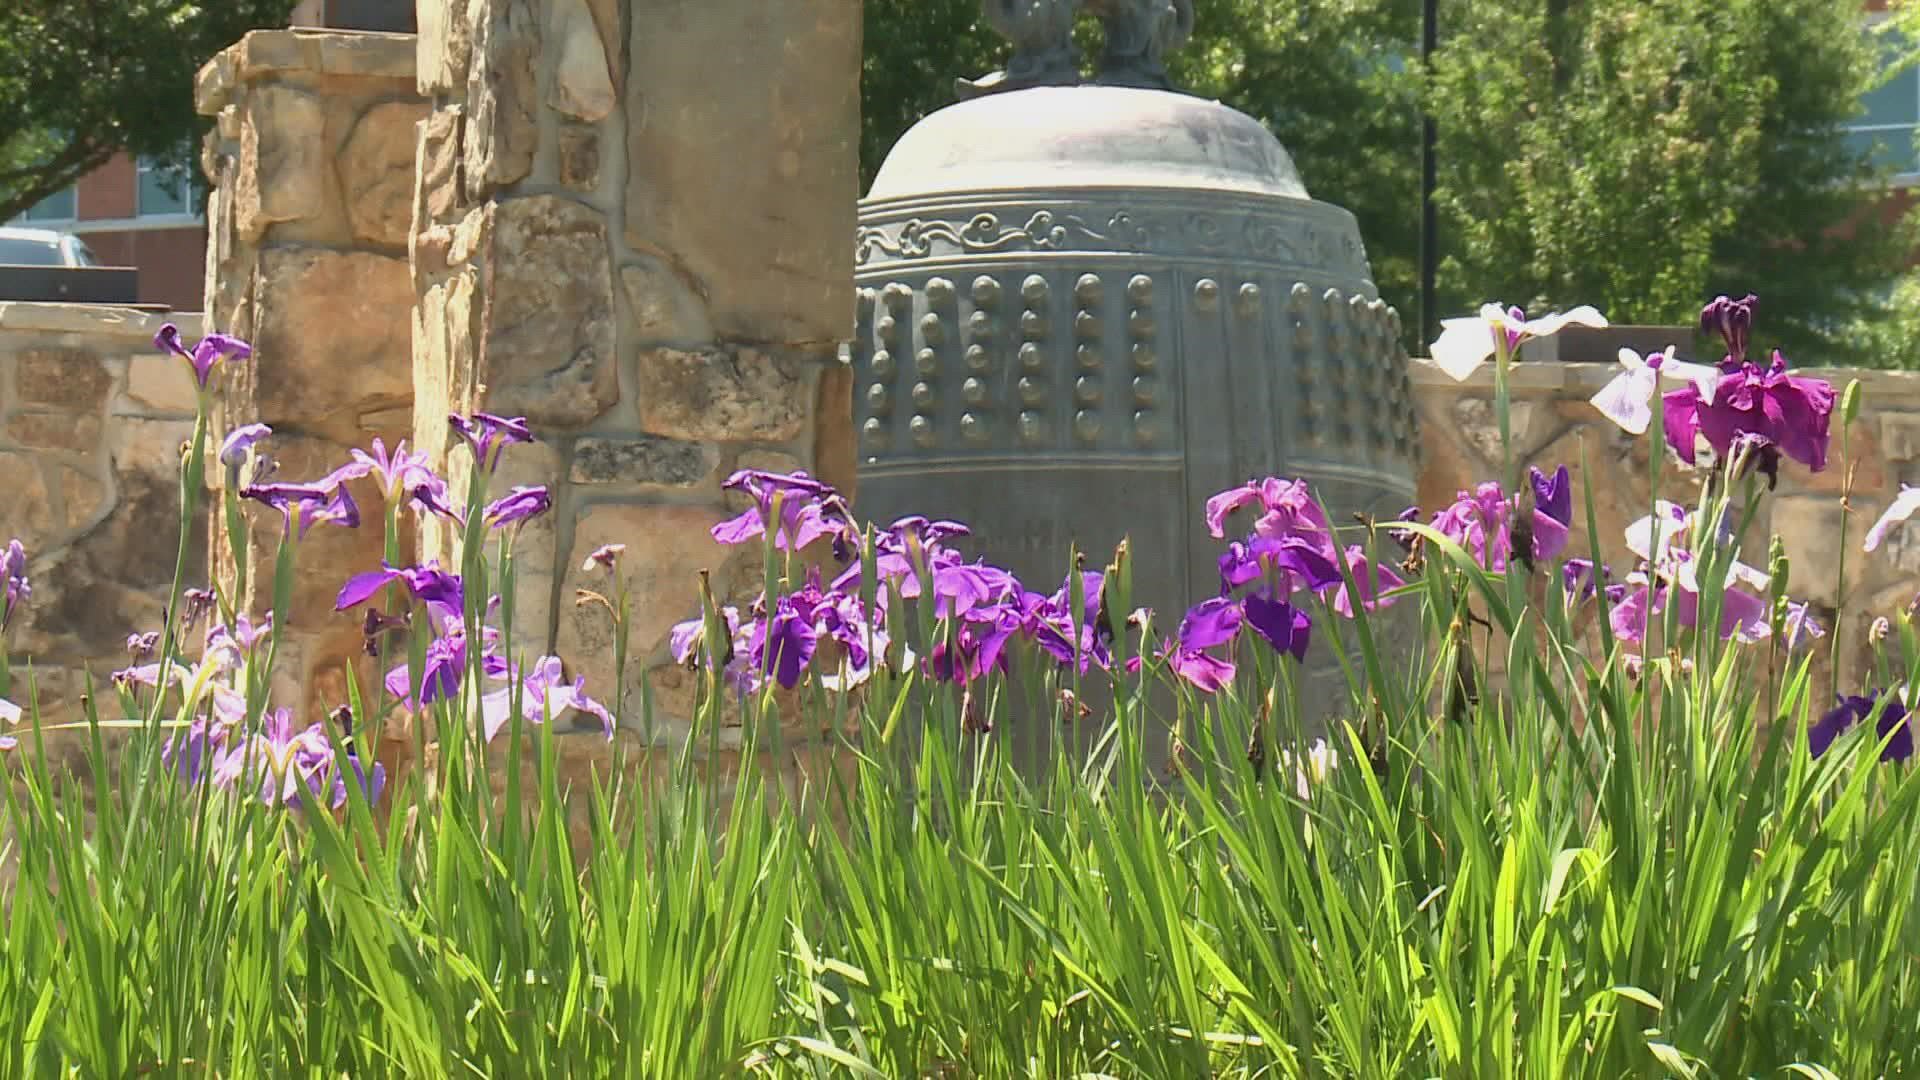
(633, 225)
(308, 221)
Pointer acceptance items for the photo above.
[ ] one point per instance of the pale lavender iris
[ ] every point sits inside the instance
(1903, 507)
(233, 448)
(19, 590)
(396, 474)
(205, 356)
(545, 695)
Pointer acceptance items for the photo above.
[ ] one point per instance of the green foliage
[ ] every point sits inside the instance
(1639, 155)
(83, 79)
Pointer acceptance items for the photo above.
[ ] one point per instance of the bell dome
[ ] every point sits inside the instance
(1087, 136)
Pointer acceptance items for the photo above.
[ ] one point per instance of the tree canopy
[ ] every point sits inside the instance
(83, 79)
(1639, 155)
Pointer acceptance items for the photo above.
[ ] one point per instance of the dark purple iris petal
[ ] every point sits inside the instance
(1733, 321)
(1210, 623)
(487, 435)
(1280, 624)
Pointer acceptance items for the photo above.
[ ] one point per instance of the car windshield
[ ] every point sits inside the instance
(21, 251)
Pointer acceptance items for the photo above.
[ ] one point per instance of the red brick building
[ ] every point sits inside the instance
(132, 213)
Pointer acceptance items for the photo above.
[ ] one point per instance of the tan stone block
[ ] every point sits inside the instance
(73, 379)
(376, 171)
(83, 497)
(439, 163)
(582, 86)
(1900, 435)
(96, 321)
(27, 511)
(746, 167)
(579, 157)
(502, 94)
(665, 308)
(152, 447)
(667, 547)
(282, 158)
(741, 395)
(54, 431)
(643, 460)
(549, 342)
(1809, 531)
(836, 457)
(161, 385)
(333, 334)
(443, 46)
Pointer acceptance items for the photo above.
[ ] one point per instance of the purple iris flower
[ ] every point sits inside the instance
(195, 604)
(685, 638)
(489, 435)
(544, 694)
(1373, 579)
(1285, 627)
(429, 493)
(606, 557)
(305, 504)
(1791, 413)
(14, 562)
(239, 639)
(1295, 561)
(784, 648)
(1743, 616)
(443, 593)
(1552, 511)
(1799, 627)
(205, 356)
(518, 505)
(191, 753)
(1578, 579)
(1478, 522)
(1733, 321)
(1854, 709)
(395, 473)
(233, 449)
(1287, 509)
(141, 647)
(445, 663)
(809, 510)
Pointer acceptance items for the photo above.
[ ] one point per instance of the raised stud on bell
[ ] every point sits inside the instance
(940, 291)
(1140, 289)
(1034, 289)
(1087, 290)
(986, 291)
(1206, 294)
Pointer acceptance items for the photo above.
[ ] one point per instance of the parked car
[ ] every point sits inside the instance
(43, 247)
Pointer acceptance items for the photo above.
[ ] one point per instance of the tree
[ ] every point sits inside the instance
(83, 79)
(1643, 155)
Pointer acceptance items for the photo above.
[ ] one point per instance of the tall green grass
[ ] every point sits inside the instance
(1583, 874)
